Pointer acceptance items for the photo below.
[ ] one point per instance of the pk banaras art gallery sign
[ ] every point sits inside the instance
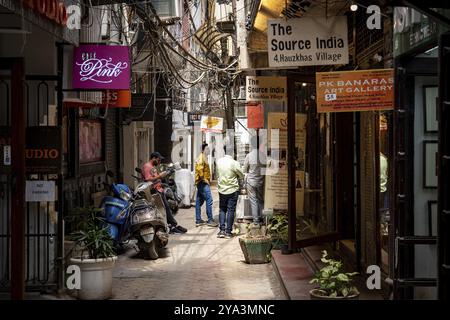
(362, 90)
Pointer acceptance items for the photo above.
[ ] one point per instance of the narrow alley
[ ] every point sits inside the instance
(195, 265)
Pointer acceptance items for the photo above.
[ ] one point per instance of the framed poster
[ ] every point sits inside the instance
(432, 218)
(90, 141)
(430, 149)
(430, 94)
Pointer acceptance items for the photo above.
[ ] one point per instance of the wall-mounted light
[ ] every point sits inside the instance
(304, 84)
(354, 7)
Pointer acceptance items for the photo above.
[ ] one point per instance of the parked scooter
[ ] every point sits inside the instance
(170, 187)
(136, 215)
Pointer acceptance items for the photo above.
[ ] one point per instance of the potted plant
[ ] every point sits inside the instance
(95, 254)
(333, 282)
(278, 229)
(256, 245)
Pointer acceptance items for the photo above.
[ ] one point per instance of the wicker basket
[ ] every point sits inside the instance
(256, 250)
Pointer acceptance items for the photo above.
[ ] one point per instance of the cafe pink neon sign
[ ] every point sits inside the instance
(101, 67)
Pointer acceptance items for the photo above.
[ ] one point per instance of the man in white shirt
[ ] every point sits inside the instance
(254, 165)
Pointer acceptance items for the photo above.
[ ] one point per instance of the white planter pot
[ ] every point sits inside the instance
(96, 278)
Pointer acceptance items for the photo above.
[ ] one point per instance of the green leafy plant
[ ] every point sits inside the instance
(332, 281)
(312, 226)
(91, 237)
(278, 228)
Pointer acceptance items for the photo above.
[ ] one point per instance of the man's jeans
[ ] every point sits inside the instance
(203, 194)
(170, 219)
(256, 197)
(227, 205)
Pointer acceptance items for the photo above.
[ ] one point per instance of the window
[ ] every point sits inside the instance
(90, 141)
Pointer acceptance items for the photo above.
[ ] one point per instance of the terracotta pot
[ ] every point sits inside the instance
(317, 296)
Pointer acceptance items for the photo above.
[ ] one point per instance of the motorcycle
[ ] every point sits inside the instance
(136, 215)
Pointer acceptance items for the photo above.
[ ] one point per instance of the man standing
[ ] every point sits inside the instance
(253, 165)
(150, 173)
(202, 181)
(229, 172)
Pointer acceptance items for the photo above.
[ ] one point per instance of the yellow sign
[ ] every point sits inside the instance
(211, 124)
(362, 90)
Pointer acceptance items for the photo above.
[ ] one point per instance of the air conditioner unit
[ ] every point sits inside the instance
(167, 8)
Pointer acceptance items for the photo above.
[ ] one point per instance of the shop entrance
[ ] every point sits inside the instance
(30, 242)
(413, 200)
(310, 165)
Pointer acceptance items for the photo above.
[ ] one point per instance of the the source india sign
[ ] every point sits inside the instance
(363, 90)
(265, 88)
(307, 41)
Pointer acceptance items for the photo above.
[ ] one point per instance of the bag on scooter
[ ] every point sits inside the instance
(113, 208)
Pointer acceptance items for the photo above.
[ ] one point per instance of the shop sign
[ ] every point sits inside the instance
(101, 67)
(43, 149)
(307, 41)
(192, 116)
(211, 124)
(412, 29)
(5, 149)
(40, 191)
(52, 16)
(51, 9)
(266, 89)
(362, 90)
(116, 99)
(255, 116)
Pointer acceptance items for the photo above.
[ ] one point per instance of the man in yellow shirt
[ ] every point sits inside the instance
(202, 181)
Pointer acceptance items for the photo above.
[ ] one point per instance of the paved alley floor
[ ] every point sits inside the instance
(195, 266)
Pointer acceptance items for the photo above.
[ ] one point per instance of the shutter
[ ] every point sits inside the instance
(111, 142)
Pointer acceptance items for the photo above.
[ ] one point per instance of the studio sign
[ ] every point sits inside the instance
(43, 149)
(101, 67)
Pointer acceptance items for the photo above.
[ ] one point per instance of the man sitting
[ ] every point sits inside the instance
(151, 174)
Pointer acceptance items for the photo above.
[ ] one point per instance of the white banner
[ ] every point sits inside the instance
(307, 41)
(265, 88)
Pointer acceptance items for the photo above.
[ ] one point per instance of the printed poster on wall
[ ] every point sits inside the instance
(276, 184)
(362, 90)
(307, 41)
(37, 191)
